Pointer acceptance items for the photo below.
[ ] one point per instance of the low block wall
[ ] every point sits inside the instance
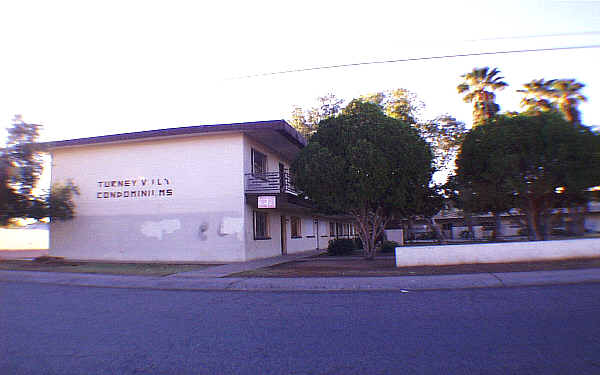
(496, 252)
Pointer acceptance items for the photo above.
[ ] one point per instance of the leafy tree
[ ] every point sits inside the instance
(533, 161)
(367, 164)
(20, 169)
(307, 121)
(401, 104)
(444, 134)
(480, 85)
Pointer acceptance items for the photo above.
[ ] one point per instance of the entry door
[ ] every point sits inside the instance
(283, 236)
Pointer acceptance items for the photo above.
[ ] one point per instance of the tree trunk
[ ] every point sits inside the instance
(576, 215)
(469, 222)
(370, 226)
(410, 232)
(547, 217)
(498, 226)
(438, 231)
(533, 221)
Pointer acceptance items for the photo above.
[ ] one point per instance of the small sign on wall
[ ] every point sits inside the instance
(268, 201)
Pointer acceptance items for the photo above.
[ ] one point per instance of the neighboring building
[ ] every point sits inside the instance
(211, 193)
(454, 225)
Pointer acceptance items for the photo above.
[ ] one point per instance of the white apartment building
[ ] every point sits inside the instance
(210, 193)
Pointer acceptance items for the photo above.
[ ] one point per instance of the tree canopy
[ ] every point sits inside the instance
(20, 170)
(367, 164)
(563, 95)
(479, 86)
(535, 162)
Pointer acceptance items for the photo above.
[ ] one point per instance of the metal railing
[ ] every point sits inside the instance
(270, 182)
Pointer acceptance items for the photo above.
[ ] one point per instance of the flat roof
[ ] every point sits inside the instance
(258, 129)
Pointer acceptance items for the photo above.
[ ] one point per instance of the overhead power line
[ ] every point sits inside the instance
(534, 36)
(416, 59)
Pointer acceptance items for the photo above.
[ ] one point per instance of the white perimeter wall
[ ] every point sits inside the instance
(201, 221)
(496, 252)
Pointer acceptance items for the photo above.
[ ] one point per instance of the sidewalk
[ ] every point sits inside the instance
(214, 279)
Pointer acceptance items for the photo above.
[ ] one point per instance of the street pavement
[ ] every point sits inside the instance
(70, 330)
(215, 278)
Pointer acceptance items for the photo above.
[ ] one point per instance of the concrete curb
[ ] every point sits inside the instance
(324, 284)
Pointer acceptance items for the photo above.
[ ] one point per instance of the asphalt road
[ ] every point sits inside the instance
(48, 329)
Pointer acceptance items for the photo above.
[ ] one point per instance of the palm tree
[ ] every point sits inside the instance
(480, 85)
(537, 95)
(558, 94)
(567, 97)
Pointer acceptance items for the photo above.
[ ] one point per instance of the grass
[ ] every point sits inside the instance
(53, 264)
(386, 266)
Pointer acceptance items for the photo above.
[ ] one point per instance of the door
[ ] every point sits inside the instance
(283, 236)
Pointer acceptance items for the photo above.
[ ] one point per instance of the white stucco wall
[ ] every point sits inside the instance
(272, 247)
(496, 252)
(202, 219)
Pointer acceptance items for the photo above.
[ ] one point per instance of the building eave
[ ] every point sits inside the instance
(280, 127)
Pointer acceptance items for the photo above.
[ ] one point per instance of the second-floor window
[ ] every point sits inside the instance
(259, 163)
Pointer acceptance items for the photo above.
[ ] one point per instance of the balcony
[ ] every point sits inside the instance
(270, 183)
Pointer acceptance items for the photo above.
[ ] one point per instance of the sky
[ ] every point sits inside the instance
(88, 68)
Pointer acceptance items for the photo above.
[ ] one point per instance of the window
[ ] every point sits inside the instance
(296, 227)
(261, 226)
(331, 229)
(259, 163)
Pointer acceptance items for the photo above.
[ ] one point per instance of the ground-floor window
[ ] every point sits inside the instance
(331, 229)
(261, 226)
(296, 225)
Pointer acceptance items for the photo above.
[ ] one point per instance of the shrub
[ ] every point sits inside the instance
(389, 246)
(341, 246)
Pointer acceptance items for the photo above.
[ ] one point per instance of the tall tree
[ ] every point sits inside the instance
(537, 96)
(479, 86)
(20, 170)
(445, 134)
(367, 164)
(307, 121)
(563, 95)
(567, 95)
(532, 159)
(399, 103)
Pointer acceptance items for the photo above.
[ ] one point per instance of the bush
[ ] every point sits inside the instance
(389, 246)
(341, 246)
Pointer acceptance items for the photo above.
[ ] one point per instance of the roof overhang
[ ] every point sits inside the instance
(277, 134)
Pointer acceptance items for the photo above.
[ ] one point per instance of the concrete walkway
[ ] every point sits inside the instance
(233, 268)
(212, 279)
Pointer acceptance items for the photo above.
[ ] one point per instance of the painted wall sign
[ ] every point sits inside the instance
(135, 188)
(267, 202)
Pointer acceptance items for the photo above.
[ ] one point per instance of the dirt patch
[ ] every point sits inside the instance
(54, 264)
(386, 266)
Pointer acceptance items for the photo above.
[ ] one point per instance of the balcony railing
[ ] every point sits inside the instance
(270, 182)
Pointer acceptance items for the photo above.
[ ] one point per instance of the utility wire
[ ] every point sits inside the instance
(416, 59)
(534, 36)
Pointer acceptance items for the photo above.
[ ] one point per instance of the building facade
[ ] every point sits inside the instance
(211, 193)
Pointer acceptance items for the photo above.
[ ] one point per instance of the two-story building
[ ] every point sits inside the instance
(210, 193)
